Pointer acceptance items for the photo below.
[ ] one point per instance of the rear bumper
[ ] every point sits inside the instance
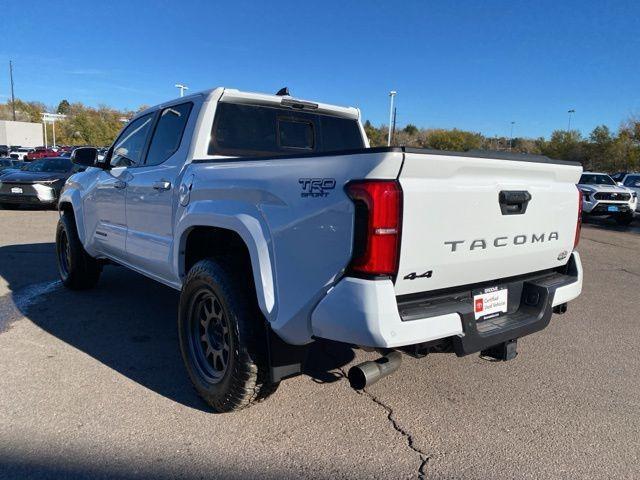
(367, 312)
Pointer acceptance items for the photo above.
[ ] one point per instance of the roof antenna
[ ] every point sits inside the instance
(283, 92)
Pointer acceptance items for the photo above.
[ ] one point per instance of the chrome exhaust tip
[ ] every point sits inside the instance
(367, 373)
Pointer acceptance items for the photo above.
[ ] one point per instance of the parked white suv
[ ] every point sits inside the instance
(279, 226)
(601, 196)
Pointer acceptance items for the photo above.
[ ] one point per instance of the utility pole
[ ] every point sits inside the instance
(392, 94)
(393, 128)
(13, 98)
(570, 112)
(182, 88)
(511, 135)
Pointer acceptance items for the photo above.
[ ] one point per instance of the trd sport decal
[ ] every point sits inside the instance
(316, 187)
(414, 275)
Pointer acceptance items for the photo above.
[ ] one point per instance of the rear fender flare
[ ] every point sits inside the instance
(248, 223)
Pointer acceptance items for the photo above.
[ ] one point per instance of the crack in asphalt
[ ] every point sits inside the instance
(608, 243)
(618, 269)
(630, 272)
(424, 458)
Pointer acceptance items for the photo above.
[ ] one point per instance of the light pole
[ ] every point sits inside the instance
(392, 94)
(511, 135)
(182, 88)
(570, 112)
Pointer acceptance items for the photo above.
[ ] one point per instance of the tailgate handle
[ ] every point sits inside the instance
(513, 202)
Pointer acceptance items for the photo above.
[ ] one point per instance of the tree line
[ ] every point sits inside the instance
(82, 126)
(602, 150)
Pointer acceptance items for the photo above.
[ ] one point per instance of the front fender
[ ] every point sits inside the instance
(245, 220)
(71, 195)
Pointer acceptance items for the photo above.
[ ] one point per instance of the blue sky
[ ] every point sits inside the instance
(472, 65)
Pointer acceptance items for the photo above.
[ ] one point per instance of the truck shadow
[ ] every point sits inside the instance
(603, 223)
(128, 322)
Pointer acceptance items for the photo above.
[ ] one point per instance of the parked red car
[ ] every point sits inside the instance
(41, 152)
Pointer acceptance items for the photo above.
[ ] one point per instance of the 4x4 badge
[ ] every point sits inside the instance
(414, 275)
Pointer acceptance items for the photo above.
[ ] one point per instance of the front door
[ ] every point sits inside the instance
(109, 193)
(110, 229)
(152, 193)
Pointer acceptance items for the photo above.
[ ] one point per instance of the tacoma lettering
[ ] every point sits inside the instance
(522, 239)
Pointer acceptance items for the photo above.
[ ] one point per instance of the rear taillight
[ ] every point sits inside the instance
(378, 211)
(579, 221)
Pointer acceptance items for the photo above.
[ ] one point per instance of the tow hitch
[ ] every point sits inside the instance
(503, 351)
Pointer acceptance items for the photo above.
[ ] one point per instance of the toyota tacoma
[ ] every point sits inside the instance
(280, 226)
(603, 197)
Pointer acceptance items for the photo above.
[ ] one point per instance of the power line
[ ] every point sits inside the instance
(13, 98)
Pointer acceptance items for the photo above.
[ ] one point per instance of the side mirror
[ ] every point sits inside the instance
(620, 184)
(85, 156)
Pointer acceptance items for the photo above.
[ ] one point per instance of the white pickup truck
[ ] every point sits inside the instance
(279, 225)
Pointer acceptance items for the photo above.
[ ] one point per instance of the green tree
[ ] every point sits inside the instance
(375, 135)
(599, 150)
(565, 145)
(410, 129)
(63, 107)
(454, 140)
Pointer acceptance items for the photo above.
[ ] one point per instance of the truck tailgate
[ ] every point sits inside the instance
(466, 219)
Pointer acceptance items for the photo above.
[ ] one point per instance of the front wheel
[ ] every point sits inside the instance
(223, 338)
(77, 269)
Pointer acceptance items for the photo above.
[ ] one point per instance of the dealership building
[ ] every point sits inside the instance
(25, 134)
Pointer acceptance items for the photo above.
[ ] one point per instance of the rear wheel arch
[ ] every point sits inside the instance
(223, 246)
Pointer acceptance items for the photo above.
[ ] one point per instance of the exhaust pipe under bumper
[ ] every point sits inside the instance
(368, 373)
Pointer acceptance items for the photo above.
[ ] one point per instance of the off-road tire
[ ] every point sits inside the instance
(245, 379)
(77, 269)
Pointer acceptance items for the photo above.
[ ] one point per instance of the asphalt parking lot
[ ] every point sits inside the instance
(92, 385)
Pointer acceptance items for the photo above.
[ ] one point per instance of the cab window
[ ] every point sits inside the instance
(168, 133)
(128, 149)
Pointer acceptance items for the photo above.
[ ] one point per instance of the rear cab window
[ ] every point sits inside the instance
(255, 130)
(168, 133)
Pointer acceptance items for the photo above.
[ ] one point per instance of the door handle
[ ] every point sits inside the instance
(119, 184)
(161, 185)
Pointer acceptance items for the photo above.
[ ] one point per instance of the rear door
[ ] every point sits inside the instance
(471, 219)
(152, 192)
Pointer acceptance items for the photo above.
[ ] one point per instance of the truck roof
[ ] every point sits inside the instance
(232, 95)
